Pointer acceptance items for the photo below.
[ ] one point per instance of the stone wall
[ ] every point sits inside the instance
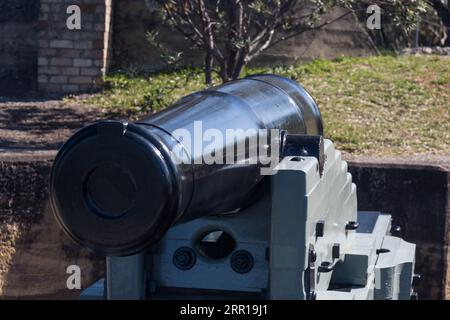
(72, 60)
(34, 252)
(133, 18)
(18, 46)
(417, 196)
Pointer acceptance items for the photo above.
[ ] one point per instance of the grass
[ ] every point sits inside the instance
(381, 105)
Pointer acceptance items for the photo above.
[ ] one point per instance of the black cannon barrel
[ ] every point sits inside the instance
(117, 187)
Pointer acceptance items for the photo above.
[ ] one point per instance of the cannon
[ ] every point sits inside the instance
(231, 192)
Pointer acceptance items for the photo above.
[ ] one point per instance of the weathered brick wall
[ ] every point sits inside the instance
(18, 46)
(72, 60)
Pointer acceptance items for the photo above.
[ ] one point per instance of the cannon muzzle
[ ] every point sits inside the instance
(117, 187)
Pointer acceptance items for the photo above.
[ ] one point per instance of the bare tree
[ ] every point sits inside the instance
(232, 33)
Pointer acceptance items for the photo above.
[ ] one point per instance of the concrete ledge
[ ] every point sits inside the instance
(34, 253)
(417, 196)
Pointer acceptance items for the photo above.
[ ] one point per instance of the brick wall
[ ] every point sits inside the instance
(72, 60)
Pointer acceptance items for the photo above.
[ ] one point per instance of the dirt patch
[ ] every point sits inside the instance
(42, 125)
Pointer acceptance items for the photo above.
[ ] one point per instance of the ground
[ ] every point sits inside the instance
(41, 125)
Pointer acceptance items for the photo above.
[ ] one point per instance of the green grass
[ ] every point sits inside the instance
(380, 105)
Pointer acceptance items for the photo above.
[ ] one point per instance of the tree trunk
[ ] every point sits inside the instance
(223, 72)
(208, 68)
(239, 64)
(443, 12)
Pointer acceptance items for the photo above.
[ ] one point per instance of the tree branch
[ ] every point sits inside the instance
(295, 34)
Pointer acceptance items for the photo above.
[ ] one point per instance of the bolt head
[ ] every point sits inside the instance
(313, 256)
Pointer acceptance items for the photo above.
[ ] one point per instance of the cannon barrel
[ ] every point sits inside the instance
(117, 187)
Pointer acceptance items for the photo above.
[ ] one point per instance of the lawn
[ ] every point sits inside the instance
(381, 105)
